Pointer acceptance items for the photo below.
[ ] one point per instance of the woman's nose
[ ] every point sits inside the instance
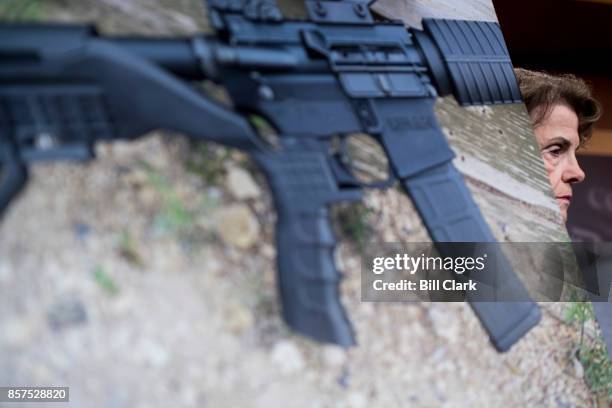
(573, 173)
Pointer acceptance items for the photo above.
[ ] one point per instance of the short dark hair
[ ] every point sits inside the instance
(541, 91)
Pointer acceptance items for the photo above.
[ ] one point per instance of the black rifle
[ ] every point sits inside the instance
(62, 88)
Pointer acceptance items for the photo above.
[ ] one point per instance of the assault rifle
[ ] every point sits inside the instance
(339, 72)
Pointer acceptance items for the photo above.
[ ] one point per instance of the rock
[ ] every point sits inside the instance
(17, 332)
(171, 259)
(42, 374)
(268, 251)
(120, 150)
(344, 377)
(5, 272)
(214, 193)
(137, 177)
(484, 111)
(561, 403)
(213, 263)
(241, 184)
(333, 356)
(65, 313)
(237, 225)
(205, 222)
(82, 230)
(153, 353)
(288, 357)
(239, 318)
(283, 394)
(149, 197)
(578, 369)
(602, 400)
(356, 399)
(444, 323)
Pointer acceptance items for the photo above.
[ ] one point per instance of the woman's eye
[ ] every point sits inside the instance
(554, 150)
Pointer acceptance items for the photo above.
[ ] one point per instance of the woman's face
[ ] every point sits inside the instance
(558, 139)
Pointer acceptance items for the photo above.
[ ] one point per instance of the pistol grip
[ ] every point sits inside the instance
(303, 187)
(308, 279)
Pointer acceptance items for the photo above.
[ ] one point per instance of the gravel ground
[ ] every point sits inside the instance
(187, 313)
(140, 284)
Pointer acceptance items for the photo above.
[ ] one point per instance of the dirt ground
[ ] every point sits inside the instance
(146, 279)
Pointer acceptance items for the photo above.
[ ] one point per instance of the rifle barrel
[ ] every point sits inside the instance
(174, 54)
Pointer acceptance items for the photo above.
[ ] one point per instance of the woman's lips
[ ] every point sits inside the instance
(565, 200)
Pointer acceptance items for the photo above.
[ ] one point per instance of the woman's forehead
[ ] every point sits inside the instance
(562, 115)
(561, 121)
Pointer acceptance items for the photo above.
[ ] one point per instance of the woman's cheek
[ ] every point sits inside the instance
(552, 167)
(549, 165)
(555, 179)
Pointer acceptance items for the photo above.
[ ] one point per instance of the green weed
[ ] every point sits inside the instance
(174, 217)
(597, 367)
(18, 10)
(105, 281)
(207, 161)
(580, 312)
(352, 220)
(592, 354)
(128, 249)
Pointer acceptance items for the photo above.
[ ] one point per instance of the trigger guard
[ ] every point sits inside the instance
(345, 178)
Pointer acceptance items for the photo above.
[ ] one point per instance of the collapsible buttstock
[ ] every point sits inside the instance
(13, 175)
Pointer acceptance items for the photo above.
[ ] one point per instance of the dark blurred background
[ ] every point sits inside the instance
(572, 36)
